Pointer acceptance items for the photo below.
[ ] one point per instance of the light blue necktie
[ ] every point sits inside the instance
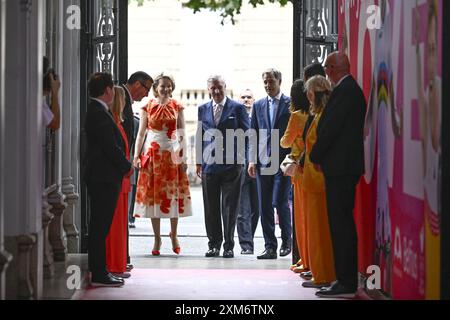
(272, 110)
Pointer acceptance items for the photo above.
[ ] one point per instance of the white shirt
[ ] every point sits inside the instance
(129, 94)
(278, 97)
(47, 114)
(222, 103)
(102, 103)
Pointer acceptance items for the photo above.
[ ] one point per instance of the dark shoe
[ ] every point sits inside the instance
(106, 281)
(123, 275)
(268, 254)
(307, 275)
(130, 267)
(285, 250)
(246, 251)
(131, 225)
(337, 290)
(312, 284)
(228, 254)
(214, 252)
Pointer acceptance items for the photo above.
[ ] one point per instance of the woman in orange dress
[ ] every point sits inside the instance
(320, 247)
(116, 241)
(163, 185)
(293, 139)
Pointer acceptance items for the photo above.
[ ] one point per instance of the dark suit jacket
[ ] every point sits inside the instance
(105, 160)
(339, 149)
(260, 120)
(234, 116)
(128, 119)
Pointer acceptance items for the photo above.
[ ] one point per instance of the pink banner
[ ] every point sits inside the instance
(395, 49)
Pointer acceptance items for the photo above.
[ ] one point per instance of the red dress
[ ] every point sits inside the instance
(163, 186)
(116, 241)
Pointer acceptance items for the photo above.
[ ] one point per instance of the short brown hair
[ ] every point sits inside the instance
(98, 82)
(159, 78)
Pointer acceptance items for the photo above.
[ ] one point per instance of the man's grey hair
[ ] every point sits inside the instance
(276, 74)
(216, 78)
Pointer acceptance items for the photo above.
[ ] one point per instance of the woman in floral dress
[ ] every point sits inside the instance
(160, 154)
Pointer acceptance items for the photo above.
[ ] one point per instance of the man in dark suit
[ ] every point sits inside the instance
(219, 164)
(270, 118)
(137, 87)
(134, 180)
(105, 166)
(248, 217)
(339, 153)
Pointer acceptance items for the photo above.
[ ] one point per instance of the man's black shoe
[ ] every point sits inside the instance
(131, 225)
(337, 290)
(123, 275)
(214, 252)
(285, 250)
(246, 251)
(268, 254)
(228, 254)
(307, 275)
(106, 281)
(312, 284)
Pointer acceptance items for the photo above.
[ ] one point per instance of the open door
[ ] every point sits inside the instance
(103, 49)
(315, 32)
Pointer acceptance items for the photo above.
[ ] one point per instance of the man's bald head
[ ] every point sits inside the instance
(337, 66)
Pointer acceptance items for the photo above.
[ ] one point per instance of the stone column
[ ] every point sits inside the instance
(23, 136)
(70, 64)
(47, 217)
(56, 197)
(56, 232)
(20, 282)
(5, 257)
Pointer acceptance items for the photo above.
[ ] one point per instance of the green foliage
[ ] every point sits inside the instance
(227, 8)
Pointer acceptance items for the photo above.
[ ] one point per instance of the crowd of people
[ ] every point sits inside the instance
(310, 142)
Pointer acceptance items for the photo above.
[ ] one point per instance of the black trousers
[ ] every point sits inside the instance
(248, 216)
(340, 192)
(103, 199)
(221, 196)
(131, 201)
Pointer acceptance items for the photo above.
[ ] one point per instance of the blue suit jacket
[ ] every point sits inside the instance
(260, 120)
(234, 117)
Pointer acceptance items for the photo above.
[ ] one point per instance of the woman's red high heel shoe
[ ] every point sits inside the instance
(176, 248)
(156, 247)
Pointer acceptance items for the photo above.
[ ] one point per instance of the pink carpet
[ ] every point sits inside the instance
(205, 284)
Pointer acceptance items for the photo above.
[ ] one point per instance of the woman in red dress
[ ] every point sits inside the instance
(116, 242)
(163, 187)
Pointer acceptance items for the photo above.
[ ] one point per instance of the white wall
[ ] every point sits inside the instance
(163, 36)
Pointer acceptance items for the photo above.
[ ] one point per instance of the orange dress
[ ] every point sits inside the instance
(116, 241)
(163, 186)
(293, 139)
(320, 247)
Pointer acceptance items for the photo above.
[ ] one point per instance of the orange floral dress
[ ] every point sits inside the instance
(163, 185)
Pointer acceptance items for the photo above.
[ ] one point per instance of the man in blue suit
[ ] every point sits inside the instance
(220, 164)
(269, 121)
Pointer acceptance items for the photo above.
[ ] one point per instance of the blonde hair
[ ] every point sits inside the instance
(119, 96)
(322, 91)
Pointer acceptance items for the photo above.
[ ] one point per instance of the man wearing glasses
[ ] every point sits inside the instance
(137, 87)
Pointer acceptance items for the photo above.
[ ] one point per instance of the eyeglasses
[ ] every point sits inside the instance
(148, 89)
